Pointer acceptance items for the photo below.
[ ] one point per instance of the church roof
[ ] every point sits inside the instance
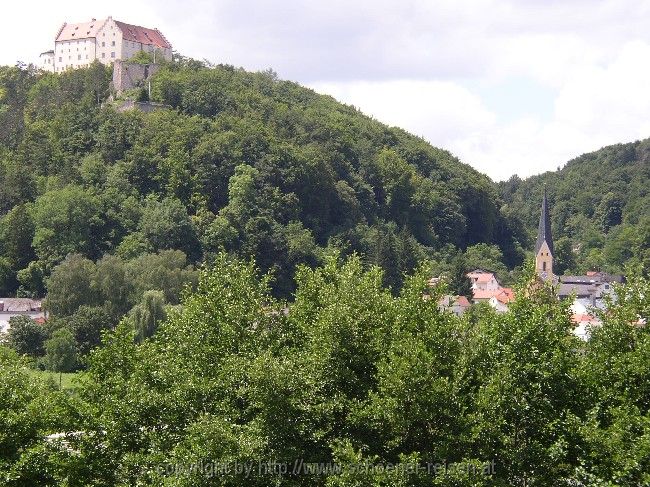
(544, 229)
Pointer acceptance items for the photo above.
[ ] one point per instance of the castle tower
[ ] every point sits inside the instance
(544, 246)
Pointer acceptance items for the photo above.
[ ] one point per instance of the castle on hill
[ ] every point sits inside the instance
(107, 40)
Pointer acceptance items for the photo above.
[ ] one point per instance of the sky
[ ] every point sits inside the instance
(509, 87)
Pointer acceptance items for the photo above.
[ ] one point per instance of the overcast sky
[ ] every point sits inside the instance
(510, 87)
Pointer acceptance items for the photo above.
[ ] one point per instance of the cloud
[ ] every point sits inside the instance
(594, 106)
(508, 86)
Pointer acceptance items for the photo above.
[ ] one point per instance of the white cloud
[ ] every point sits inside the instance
(423, 65)
(595, 106)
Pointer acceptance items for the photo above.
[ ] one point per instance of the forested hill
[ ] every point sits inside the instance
(600, 207)
(242, 161)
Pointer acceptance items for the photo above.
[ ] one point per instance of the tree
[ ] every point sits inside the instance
(61, 352)
(71, 285)
(16, 234)
(564, 259)
(32, 279)
(148, 314)
(459, 283)
(67, 221)
(87, 325)
(166, 225)
(114, 286)
(26, 336)
(489, 257)
(167, 271)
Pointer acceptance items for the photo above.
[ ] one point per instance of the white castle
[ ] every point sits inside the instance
(107, 40)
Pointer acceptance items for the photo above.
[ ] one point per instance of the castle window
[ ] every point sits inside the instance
(113, 43)
(103, 54)
(544, 266)
(103, 44)
(113, 54)
(79, 57)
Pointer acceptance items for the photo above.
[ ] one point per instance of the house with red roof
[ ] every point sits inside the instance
(483, 280)
(501, 299)
(10, 307)
(105, 40)
(455, 304)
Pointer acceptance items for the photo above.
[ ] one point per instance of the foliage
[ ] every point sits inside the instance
(376, 388)
(245, 163)
(25, 336)
(599, 202)
(148, 314)
(61, 351)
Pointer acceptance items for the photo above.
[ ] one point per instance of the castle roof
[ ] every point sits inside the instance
(544, 228)
(82, 30)
(135, 33)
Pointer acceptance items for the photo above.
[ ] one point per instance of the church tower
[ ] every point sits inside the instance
(544, 246)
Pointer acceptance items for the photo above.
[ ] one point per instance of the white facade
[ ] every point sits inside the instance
(73, 54)
(499, 306)
(10, 307)
(78, 45)
(484, 281)
(46, 61)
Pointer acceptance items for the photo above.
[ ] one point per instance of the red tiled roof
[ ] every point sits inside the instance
(504, 294)
(485, 294)
(462, 301)
(580, 318)
(135, 33)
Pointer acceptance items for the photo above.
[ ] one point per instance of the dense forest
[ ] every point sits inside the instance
(353, 386)
(241, 162)
(242, 279)
(600, 208)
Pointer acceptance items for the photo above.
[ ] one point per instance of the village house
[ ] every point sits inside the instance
(454, 304)
(106, 40)
(10, 307)
(483, 280)
(487, 288)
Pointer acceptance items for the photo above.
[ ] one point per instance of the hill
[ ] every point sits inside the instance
(242, 161)
(600, 208)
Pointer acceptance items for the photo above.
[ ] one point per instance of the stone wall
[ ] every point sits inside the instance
(127, 75)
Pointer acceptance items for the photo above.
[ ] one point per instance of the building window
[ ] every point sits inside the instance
(103, 44)
(79, 57)
(113, 54)
(113, 43)
(60, 59)
(544, 266)
(103, 54)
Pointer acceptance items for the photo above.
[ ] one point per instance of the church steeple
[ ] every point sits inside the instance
(544, 245)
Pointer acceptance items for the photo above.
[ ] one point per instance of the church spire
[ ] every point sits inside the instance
(544, 247)
(544, 228)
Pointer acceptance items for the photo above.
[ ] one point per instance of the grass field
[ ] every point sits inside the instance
(67, 379)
